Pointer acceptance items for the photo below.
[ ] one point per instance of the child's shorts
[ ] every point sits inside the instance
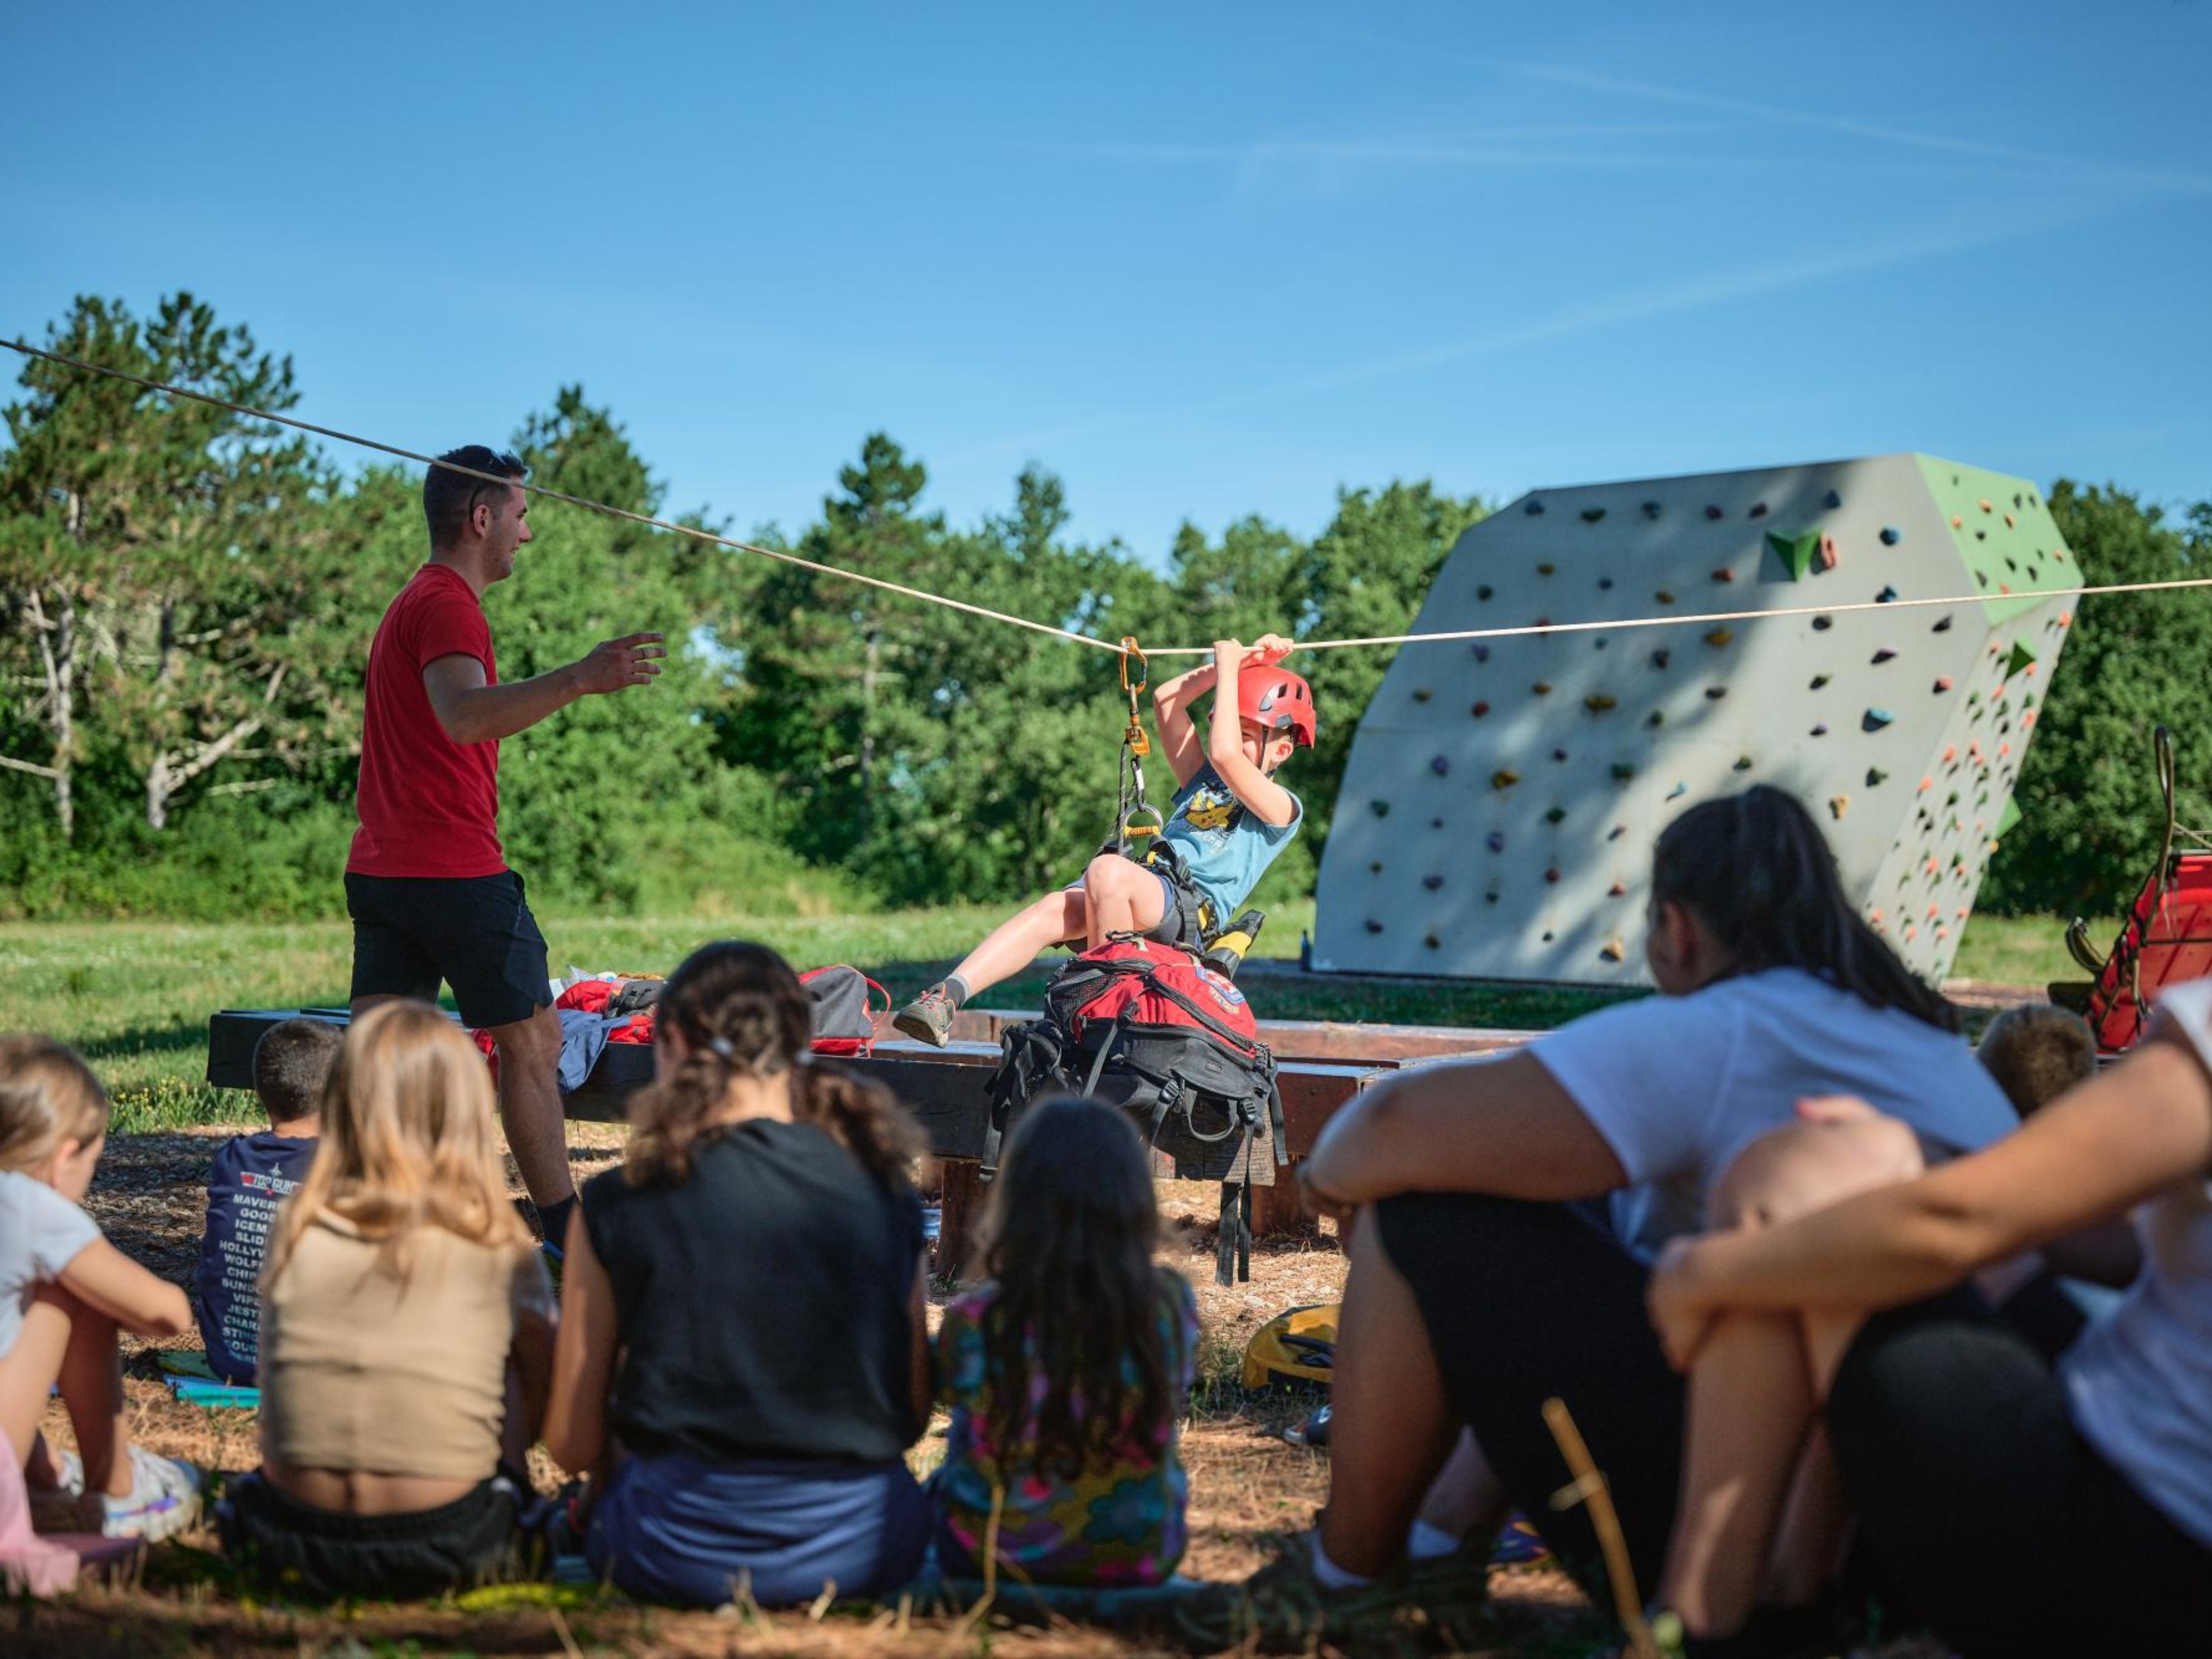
(297, 1549)
(1179, 906)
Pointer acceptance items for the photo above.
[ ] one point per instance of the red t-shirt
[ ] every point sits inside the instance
(428, 807)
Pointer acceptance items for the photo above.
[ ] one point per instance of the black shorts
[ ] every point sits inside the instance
(1526, 1301)
(319, 1554)
(474, 932)
(1984, 1512)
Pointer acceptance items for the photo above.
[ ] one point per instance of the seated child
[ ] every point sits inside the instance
(745, 1350)
(64, 1292)
(251, 1175)
(1229, 820)
(2037, 1052)
(406, 1334)
(1068, 1369)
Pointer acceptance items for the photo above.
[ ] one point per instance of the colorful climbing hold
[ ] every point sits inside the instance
(1554, 815)
(1887, 595)
(1618, 889)
(1484, 591)
(1433, 942)
(1822, 624)
(1623, 771)
(1724, 575)
(1875, 777)
(1552, 875)
(1440, 764)
(1559, 755)
(1481, 652)
(1884, 653)
(1616, 832)
(1890, 535)
(1943, 626)
(1542, 688)
(1432, 882)
(1651, 509)
(2022, 658)
(1829, 552)
(1420, 694)
(1504, 778)
(1661, 657)
(1833, 499)
(1837, 806)
(1380, 808)
(1534, 509)
(1495, 840)
(1712, 512)
(1373, 926)
(1943, 681)
(1758, 510)
(1680, 790)
(1820, 729)
(1719, 636)
(1480, 710)
(1613, 950)
(1545, 569)
(1592, 514)
(1715, 693)
(1658, 717)
(1819, 680)
(1604, 584)
(1597, 703)
(1742, 764)
(1876, 719)
(1664, 597)
(1796, 552)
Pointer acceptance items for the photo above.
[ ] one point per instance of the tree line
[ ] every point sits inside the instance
(186, 597)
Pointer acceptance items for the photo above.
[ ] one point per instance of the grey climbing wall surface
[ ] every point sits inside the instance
(1503, 796)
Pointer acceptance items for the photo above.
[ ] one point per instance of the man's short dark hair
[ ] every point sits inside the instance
(291, 1063)
(449, 497)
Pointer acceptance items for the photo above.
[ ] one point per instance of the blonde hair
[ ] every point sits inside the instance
(48, 1095)
(407, 1140)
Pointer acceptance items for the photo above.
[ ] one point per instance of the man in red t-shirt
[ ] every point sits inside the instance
(427, 884)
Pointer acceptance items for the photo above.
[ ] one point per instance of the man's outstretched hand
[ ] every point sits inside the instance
(617, 665)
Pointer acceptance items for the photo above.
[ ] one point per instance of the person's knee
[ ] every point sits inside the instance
(1794, 1170)
(1108, 872)
(533, 1042)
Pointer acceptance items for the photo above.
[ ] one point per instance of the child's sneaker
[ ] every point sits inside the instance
(164, 1499)
(927, 1018)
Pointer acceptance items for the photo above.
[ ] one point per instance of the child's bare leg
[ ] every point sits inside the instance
(1022, 938)
(1755, 1388)
(65, 1341)
(1123, 896)
(1749, 1405)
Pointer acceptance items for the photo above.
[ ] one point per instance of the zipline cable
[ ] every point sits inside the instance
(560, 495)
(928, 598)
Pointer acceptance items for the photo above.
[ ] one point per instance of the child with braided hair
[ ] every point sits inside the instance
(743, 1358)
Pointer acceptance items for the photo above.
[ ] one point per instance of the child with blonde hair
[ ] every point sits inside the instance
(406, 1334)
(65, 1293)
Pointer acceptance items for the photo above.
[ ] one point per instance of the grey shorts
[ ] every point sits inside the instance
(1179, 910)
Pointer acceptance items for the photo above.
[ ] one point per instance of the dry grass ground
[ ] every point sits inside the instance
(1249, 1488)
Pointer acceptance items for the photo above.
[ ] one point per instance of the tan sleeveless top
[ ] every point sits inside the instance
(363, 1368)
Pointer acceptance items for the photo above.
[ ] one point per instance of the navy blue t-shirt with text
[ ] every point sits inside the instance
(250, 1177)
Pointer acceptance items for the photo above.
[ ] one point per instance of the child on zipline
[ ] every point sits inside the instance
(1229, 821)
(1068, 1368)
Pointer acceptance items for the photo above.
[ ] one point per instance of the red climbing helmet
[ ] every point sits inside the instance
(1274, 697)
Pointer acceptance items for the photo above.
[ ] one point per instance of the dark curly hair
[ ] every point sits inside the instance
(742, 1011)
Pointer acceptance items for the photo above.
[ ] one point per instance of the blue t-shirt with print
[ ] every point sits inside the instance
(1226, 848)
(251, 1177)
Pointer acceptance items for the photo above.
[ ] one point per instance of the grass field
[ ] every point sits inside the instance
(135, 996)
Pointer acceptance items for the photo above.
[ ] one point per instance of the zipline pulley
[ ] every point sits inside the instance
(1137, 822)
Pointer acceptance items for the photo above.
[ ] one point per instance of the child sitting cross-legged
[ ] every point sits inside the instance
(1068, 1369)
(65, 1293)
(1229, 820)
(250, 1176)
(406, 1334)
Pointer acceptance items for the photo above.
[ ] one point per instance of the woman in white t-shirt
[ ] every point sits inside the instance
(1479, 1287)
(2020, 1508)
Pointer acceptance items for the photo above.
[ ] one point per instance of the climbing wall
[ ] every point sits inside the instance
(1502, 797)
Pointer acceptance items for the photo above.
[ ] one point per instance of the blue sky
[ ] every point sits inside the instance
(1200, 261)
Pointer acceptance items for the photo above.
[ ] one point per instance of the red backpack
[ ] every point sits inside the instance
(1150, 1028)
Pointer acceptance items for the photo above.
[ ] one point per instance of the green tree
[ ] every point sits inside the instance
(2087, 792)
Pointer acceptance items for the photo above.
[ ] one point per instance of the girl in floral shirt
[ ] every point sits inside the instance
(1068, 1369)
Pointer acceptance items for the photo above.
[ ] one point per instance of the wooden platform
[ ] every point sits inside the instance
(1322, 1065)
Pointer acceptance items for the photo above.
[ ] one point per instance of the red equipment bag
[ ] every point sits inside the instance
(2166, 940)
(1151, 1029)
